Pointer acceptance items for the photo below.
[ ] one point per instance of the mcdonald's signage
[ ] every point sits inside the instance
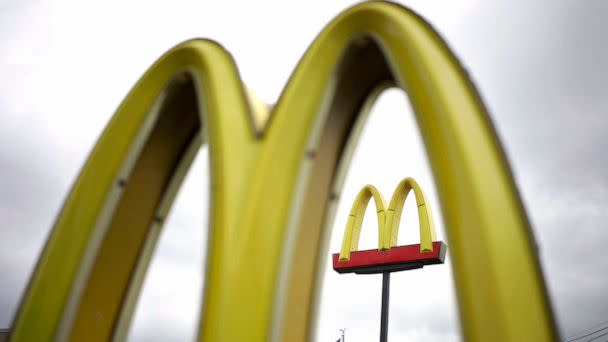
(276, 173)
(389, 257)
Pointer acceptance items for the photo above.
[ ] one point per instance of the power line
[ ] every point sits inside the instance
(598, 336)
(591, 333)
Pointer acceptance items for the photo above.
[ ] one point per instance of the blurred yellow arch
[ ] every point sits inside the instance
(276, 174)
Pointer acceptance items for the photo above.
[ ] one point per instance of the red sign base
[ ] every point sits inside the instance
(398, 258)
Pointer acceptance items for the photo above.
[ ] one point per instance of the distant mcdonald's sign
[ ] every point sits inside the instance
(388, 257)
(276, 173)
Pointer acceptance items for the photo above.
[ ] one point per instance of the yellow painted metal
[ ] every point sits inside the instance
(388, 219)
(350, 241)
(427, 227)
(275, 178)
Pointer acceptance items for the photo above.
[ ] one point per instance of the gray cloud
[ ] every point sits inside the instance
(30, 197)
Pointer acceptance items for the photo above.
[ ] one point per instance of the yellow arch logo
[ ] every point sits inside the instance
(275, 176)
(388, 218)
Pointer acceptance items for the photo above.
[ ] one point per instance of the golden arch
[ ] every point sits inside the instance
(388, 219)
(275, 176)
(395, 208)
(355, 220)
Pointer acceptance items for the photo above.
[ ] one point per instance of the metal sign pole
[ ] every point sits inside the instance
(386, 283)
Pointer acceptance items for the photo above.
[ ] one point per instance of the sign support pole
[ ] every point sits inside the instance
(386, 283)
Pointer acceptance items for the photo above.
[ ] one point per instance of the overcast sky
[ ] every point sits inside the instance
(541, 68)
